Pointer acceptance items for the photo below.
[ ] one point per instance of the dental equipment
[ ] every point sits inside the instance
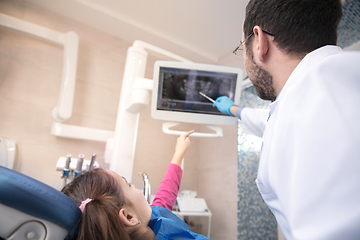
(8, 150)
(208, 98)
(66, 169)
(70, 43)
(72, 168)
(80, 161)
(147, 189)
(92, 161)
(33, 210)
(61, 162)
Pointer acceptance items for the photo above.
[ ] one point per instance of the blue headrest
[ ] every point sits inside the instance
(37, 199)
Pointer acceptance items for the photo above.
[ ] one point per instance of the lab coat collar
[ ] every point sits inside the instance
(309, 60)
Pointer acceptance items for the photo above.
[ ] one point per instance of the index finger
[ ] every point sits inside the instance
(188, 133)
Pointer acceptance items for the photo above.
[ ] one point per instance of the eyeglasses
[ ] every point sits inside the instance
(241, 44)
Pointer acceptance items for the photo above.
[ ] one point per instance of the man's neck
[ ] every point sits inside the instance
(281, 69)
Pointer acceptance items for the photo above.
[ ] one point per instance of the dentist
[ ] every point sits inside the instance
(309, 165)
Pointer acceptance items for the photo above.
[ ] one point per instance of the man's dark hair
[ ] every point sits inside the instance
(299, 26)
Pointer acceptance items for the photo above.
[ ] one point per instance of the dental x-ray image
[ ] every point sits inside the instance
(179, 89)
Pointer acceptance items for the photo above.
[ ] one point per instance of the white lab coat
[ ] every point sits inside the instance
(309, 171)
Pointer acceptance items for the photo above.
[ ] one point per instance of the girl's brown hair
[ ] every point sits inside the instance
(100, 218)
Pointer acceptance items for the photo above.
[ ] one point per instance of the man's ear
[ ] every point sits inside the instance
(262, 47)
(127, 218)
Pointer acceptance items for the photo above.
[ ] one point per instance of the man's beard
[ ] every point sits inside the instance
(260, 78)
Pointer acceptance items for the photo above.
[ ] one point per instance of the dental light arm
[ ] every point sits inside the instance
(122, 156)
(70, 42)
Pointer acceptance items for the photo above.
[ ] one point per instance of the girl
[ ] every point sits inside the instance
(114, 209)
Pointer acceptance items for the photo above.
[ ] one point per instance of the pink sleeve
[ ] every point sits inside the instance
(169, 187)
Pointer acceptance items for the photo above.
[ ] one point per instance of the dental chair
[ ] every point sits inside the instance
(32, 210)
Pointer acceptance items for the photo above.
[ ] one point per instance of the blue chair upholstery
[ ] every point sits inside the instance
(38, 203)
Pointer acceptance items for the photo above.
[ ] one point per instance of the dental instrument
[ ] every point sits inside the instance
(147, 189)
(208, 98)
(72, 167)
(92, 161)
(67, 165)
(66, 169)
(80, 161)
(61, 162)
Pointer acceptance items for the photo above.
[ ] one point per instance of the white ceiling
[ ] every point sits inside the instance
(199, 30)
(202, 31)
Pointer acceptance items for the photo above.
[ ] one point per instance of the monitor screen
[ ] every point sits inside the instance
(177, 87)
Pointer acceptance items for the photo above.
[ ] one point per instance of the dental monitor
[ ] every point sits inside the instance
(176, 90)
